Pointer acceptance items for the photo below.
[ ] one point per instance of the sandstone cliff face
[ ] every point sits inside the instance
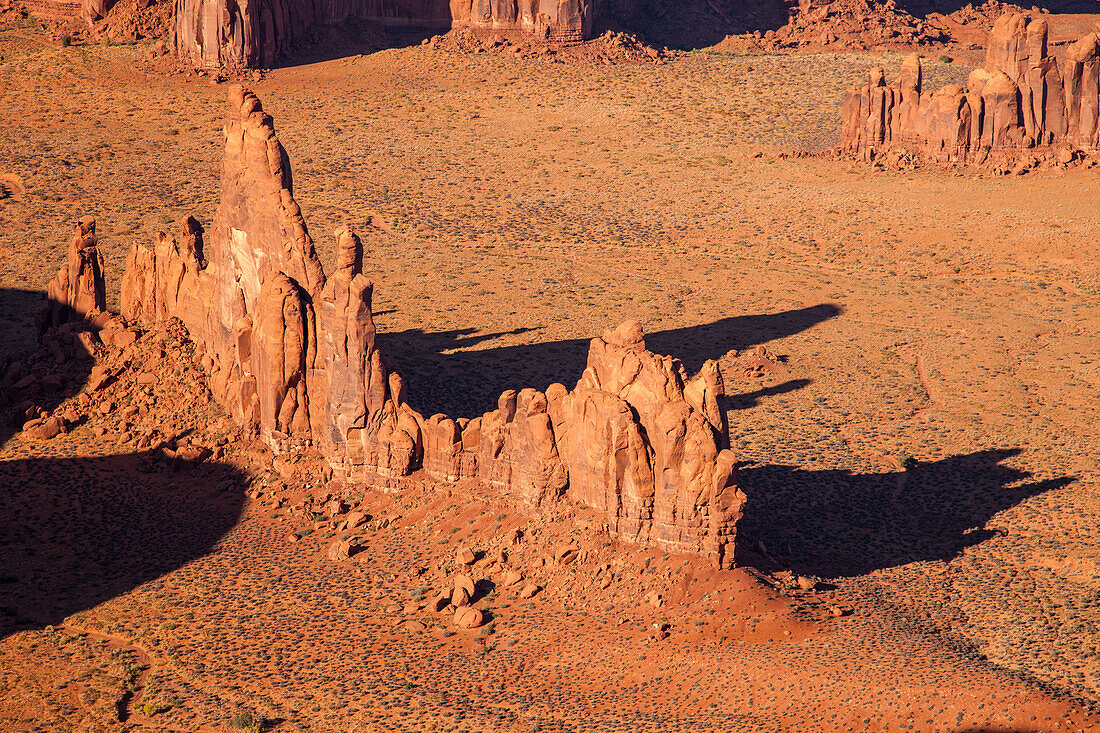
(213, 34)
(79, 288)
(557, 20)
(1020, 99)
(293, 357)
(637, 436)
(258, 269)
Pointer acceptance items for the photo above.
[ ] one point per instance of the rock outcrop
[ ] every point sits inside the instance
(1021, 99)
(88, 10)
(292, 354)
(213, 34)
(79, 288)
(555, 20)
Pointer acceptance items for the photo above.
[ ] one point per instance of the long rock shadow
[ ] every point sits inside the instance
(328, 41)
(695, 23)
(443, 374)
(77, 532)
(838, 524)
(18, 332)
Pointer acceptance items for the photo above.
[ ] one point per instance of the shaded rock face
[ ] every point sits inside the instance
(1020, 99)
(292, 355)
(78, 289)
(215, 34)
(225, 34)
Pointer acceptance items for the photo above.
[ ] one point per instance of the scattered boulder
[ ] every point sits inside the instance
(193, 453)
(464, 556)
(468, 617)
(438, 603)
(460, 597)
(463, 591)
(465, 582)
(44, 429)
(340, 550)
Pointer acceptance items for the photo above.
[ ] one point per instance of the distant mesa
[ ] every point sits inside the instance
(291, 353)
(1020, 101)
(212, 34)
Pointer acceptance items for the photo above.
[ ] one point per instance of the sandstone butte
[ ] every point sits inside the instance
(291, 355)
(1021, 99)
(213, 34)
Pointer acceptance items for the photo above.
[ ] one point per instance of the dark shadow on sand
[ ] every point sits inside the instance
(443, 373)
(836, 524)
(353, 37)
(75, 532)
(18, 329)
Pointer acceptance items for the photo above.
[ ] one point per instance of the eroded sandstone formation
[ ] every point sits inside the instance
(79, 288)
(1021, 99)
(556, 20)
(247, 298)
(292, 354)
(213, 34)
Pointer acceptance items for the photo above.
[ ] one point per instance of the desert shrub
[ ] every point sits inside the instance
(66, 40)
(247, 722)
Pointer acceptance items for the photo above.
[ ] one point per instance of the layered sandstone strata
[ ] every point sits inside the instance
(292, 354)
(79, 288)
(89, 10)
(1022, 98)
(213, 34)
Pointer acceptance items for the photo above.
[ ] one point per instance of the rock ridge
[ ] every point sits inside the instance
(292, 355)
(1021, 100)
